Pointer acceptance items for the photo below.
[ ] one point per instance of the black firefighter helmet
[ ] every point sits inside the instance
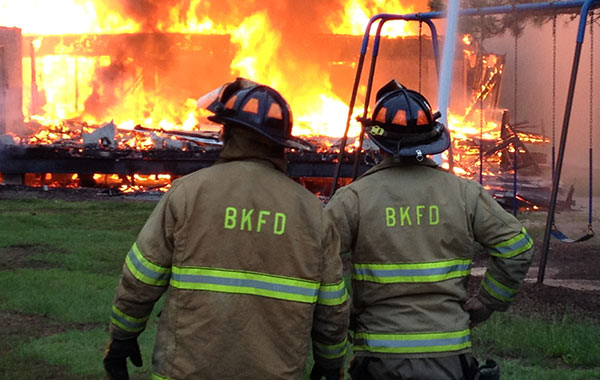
(258, 107)
(402, 123)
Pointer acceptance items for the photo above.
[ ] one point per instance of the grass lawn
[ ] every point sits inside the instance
(60, 262)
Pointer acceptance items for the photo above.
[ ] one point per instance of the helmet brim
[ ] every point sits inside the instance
(438, 145)
(290, 142)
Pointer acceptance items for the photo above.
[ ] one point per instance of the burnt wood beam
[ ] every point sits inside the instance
(47, 159)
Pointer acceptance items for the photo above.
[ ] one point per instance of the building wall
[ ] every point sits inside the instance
(11, 80)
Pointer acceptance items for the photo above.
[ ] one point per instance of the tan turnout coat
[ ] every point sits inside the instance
(249, 263)
(413, 230)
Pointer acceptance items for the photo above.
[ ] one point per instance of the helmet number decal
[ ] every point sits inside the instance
(377, 130)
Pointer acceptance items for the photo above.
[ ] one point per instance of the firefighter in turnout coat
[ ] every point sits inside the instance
(412, 230)
(247, 259)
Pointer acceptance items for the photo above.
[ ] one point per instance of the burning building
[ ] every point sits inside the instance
(107, 97)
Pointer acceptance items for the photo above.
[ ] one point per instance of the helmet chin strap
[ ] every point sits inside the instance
(397, 152)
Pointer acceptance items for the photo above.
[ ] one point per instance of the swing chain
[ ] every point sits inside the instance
(591, 73)
(553, 77)
(420, 51)
(480, 51)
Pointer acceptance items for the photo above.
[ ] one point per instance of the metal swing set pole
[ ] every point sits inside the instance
(563, 138)
(427, 18)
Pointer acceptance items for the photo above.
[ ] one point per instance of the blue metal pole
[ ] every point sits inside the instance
(518, 8)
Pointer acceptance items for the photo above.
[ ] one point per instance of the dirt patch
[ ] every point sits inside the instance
(19, 257)
(18, 327)
(15, 323)
(74, 194)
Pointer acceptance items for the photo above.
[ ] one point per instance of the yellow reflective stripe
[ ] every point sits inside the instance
(334, 351)
(144, 270)
(498, 290)
(332, 294)
(158, 377)
(241, 282)
(412, 342)
(127, 322)
(412, 272)
(514, 246)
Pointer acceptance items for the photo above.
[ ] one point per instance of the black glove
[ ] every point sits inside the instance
(115, 358)
(478, 311)
(328, 373)
(489, 371)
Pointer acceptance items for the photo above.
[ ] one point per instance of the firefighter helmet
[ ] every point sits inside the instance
(402, 123)
(255, 106)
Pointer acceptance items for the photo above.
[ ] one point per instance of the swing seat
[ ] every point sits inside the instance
(565, 239)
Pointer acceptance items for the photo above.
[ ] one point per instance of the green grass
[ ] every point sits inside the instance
(541, 345)
(73, 257)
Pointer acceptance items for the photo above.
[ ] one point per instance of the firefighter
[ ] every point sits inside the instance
(246, 257)
(412, 230)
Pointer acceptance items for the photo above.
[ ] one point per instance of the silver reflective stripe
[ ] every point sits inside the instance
(412, 342)
(335, 294)
(127, 322)
(232, 281)
(412, 272)
(144, 270)
(514, 246)
(498, 290)
(333, 351)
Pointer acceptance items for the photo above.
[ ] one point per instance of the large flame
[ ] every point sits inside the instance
(114, 87)
(274, 42)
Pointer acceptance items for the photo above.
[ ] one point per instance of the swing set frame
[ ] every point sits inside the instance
(572, 6)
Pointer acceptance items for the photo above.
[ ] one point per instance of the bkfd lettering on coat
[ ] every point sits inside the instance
(419, 215)
(254, 220)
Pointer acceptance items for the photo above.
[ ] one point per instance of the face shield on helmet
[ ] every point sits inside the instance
(402, 123)
(258, 107)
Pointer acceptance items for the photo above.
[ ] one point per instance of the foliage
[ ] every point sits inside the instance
(488, 26)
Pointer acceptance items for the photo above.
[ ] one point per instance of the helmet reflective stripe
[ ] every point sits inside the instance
(231, 102)
(413, 342)
(422, 118)
(240, 282)
(144, 270)
(275, 112)
(334, 294)
(399, 117)
(251, 106)
(512, 247)
(127, 322)
(381, 115)
(412, 272)
(333, 351)
(498, 290)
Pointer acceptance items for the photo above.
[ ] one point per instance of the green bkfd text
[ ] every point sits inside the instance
(255, 220)
(412, 215)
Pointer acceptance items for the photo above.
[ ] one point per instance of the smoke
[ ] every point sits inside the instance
(534, 93)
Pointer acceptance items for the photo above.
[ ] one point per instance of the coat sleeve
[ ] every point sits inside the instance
(510, 248)
(146, 271)
(331, 315)
(343, 210)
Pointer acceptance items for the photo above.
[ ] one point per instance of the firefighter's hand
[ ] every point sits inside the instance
(477, 310)
(319, 372)
(115, 358)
